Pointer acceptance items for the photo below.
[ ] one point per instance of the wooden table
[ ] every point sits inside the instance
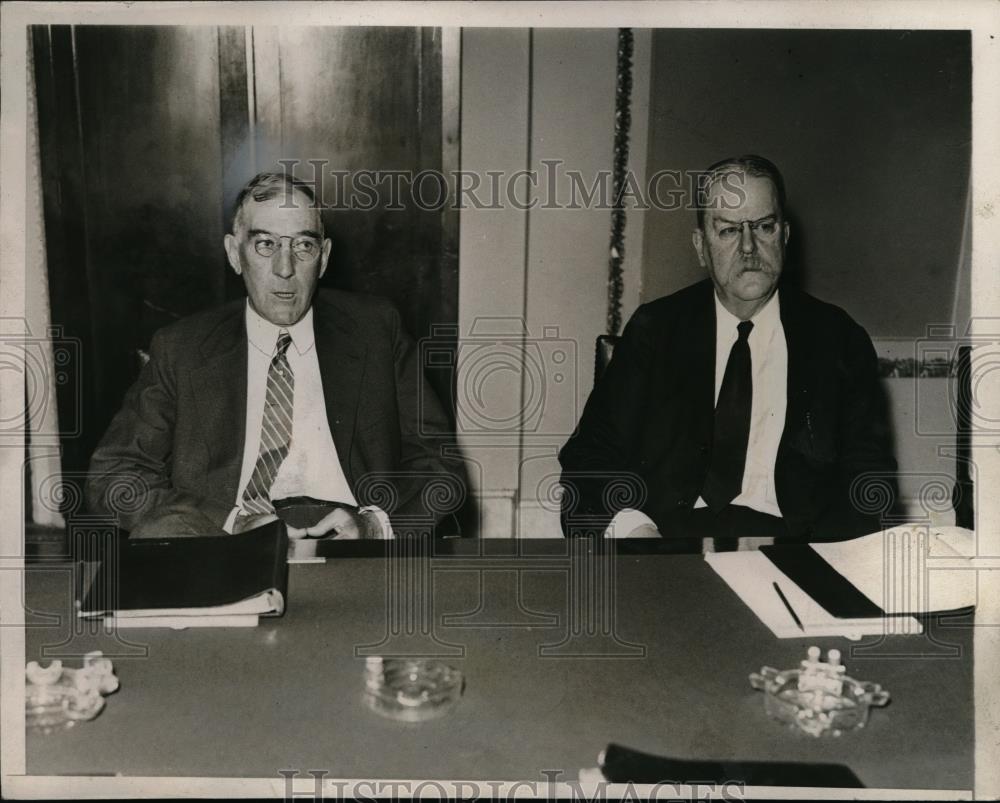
(564, 648)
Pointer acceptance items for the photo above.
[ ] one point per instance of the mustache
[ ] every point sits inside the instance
(756, 264)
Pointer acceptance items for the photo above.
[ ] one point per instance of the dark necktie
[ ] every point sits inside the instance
(732, 426)
(275, 430)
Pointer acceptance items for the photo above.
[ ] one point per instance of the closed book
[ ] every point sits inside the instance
(211, 581)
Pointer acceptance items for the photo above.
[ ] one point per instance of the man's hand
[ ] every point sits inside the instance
(342, 524)
(246, 521)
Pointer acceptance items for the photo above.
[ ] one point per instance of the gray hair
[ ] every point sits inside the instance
(267, 186)
(750, 164)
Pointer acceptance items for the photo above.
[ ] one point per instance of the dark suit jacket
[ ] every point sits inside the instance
(646, 431)
(170, 461)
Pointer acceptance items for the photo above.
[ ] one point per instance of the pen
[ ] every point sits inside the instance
(788, 605)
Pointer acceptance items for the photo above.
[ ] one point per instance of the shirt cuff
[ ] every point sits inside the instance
(383, 519)
(625, 521)
(231, 520)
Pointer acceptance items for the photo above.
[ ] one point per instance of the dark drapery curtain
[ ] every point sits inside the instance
(147, 134)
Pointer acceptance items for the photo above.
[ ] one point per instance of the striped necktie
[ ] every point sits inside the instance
(275, 431)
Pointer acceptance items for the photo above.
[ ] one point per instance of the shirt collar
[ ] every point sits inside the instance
(767, 318)
(263, 334)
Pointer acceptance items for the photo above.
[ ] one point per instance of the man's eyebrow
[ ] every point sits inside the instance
(302, 233)
(726, 221)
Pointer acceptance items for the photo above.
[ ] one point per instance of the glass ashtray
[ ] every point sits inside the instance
(411, 689)
(818, 698)
(56, 698)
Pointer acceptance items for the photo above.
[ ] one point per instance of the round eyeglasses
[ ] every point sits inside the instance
(305, 249)
(763, 229)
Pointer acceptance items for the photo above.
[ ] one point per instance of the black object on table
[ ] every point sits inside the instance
(624, 765)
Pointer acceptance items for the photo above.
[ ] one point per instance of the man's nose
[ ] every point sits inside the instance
(284, 263)
(747, 242)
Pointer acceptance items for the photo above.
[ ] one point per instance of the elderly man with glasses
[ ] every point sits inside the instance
(292, 393)
(736, 408)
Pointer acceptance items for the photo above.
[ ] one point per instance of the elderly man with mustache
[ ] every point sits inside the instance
(736, 407)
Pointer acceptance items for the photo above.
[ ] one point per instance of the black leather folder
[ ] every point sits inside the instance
(192, 573)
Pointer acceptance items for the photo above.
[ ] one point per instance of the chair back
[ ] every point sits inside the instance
(604, 349)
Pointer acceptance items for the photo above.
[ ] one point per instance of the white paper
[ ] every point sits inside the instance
(909, 569)
(183, 622)
(751, 575)
(270, 601)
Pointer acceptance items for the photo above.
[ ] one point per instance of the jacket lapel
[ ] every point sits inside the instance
(341, 356)
(701, 368)
(797, 340)
(219, 387)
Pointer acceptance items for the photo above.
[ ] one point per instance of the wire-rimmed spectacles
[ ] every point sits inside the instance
(304, 248)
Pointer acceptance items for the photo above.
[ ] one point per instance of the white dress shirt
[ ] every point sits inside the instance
(312, 466)
(769, 366)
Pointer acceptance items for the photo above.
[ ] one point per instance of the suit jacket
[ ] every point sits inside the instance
(171, 458)
(645, 435)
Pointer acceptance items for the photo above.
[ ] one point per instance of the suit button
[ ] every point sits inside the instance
(703, 449)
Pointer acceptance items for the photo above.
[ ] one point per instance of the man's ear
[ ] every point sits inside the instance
(233, 253)
(698, 241)
(327, 247)
(788, 230)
